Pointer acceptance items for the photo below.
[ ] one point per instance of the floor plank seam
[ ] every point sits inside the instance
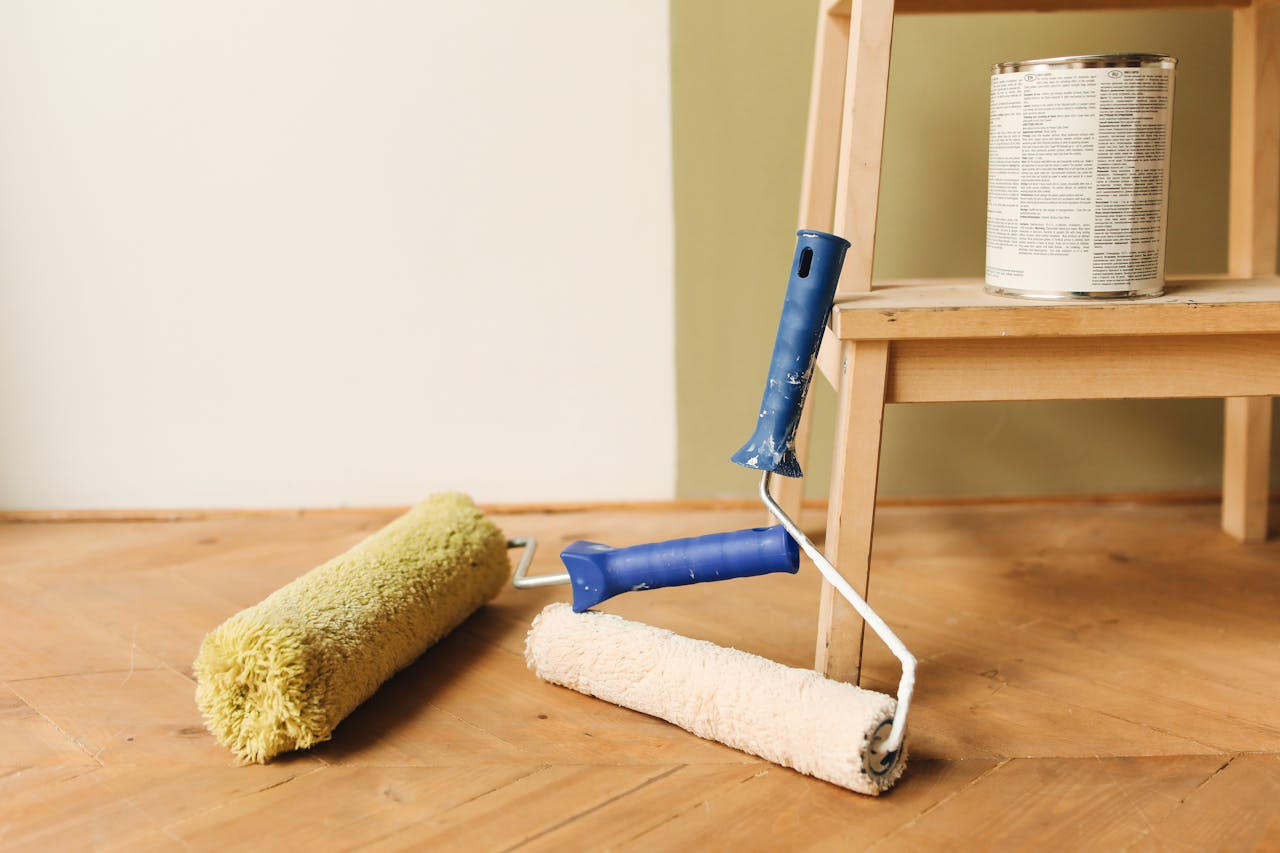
(167, 828)
(1209, 778)
(541, 768)
(437, 819)
(1116, 782)
(472, 725)
(127, 799)
(676, 815)
(1183, 801)
(106, 743)
(166, 665)
(651, 780)
(65, 734)
(124, 672)
(282, 782)
(45, 829)
(1213, 750)
(940, 803)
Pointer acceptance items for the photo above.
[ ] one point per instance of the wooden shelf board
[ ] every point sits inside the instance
(960, 308)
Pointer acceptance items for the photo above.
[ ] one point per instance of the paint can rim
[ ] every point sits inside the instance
(1095, 60)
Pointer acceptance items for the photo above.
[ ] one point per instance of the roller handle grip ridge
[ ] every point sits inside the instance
(815, 272)
(598, 572)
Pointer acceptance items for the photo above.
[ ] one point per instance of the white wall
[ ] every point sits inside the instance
(325, 252)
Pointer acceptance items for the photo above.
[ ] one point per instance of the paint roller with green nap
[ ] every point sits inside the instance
(281, 674)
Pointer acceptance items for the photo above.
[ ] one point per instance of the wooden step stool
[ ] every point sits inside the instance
(933, 341)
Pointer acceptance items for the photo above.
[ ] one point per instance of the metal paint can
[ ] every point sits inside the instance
(1078, 176)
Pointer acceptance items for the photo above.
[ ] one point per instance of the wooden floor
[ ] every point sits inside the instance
(1092, 677)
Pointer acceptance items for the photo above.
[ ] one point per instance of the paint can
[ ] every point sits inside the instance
(1078, 176)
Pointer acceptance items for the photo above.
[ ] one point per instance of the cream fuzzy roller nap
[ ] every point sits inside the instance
(282, 674)
(792, 717)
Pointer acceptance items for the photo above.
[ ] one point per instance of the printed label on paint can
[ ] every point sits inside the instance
(1078, 176)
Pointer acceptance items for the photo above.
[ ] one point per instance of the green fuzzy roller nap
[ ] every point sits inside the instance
(283, 673)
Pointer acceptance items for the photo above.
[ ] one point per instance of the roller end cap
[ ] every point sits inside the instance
(878, 764)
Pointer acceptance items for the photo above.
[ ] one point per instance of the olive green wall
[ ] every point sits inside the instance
(740, 80)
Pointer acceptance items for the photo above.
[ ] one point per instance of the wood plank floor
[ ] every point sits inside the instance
(1092, 677)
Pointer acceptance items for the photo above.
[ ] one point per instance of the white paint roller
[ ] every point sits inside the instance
(834, 731)
(793, 717)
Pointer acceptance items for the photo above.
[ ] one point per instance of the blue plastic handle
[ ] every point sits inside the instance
(599, 572)
(815, 272)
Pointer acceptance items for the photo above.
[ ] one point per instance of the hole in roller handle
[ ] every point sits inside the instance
(806, 305)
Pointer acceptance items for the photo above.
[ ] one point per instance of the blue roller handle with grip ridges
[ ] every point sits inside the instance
(805, 309)
(599, 572)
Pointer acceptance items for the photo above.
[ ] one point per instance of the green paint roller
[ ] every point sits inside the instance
(283, 673)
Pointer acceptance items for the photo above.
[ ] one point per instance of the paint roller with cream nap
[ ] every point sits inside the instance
(831, 730)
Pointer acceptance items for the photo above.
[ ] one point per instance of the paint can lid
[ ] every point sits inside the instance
(1097, 60)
